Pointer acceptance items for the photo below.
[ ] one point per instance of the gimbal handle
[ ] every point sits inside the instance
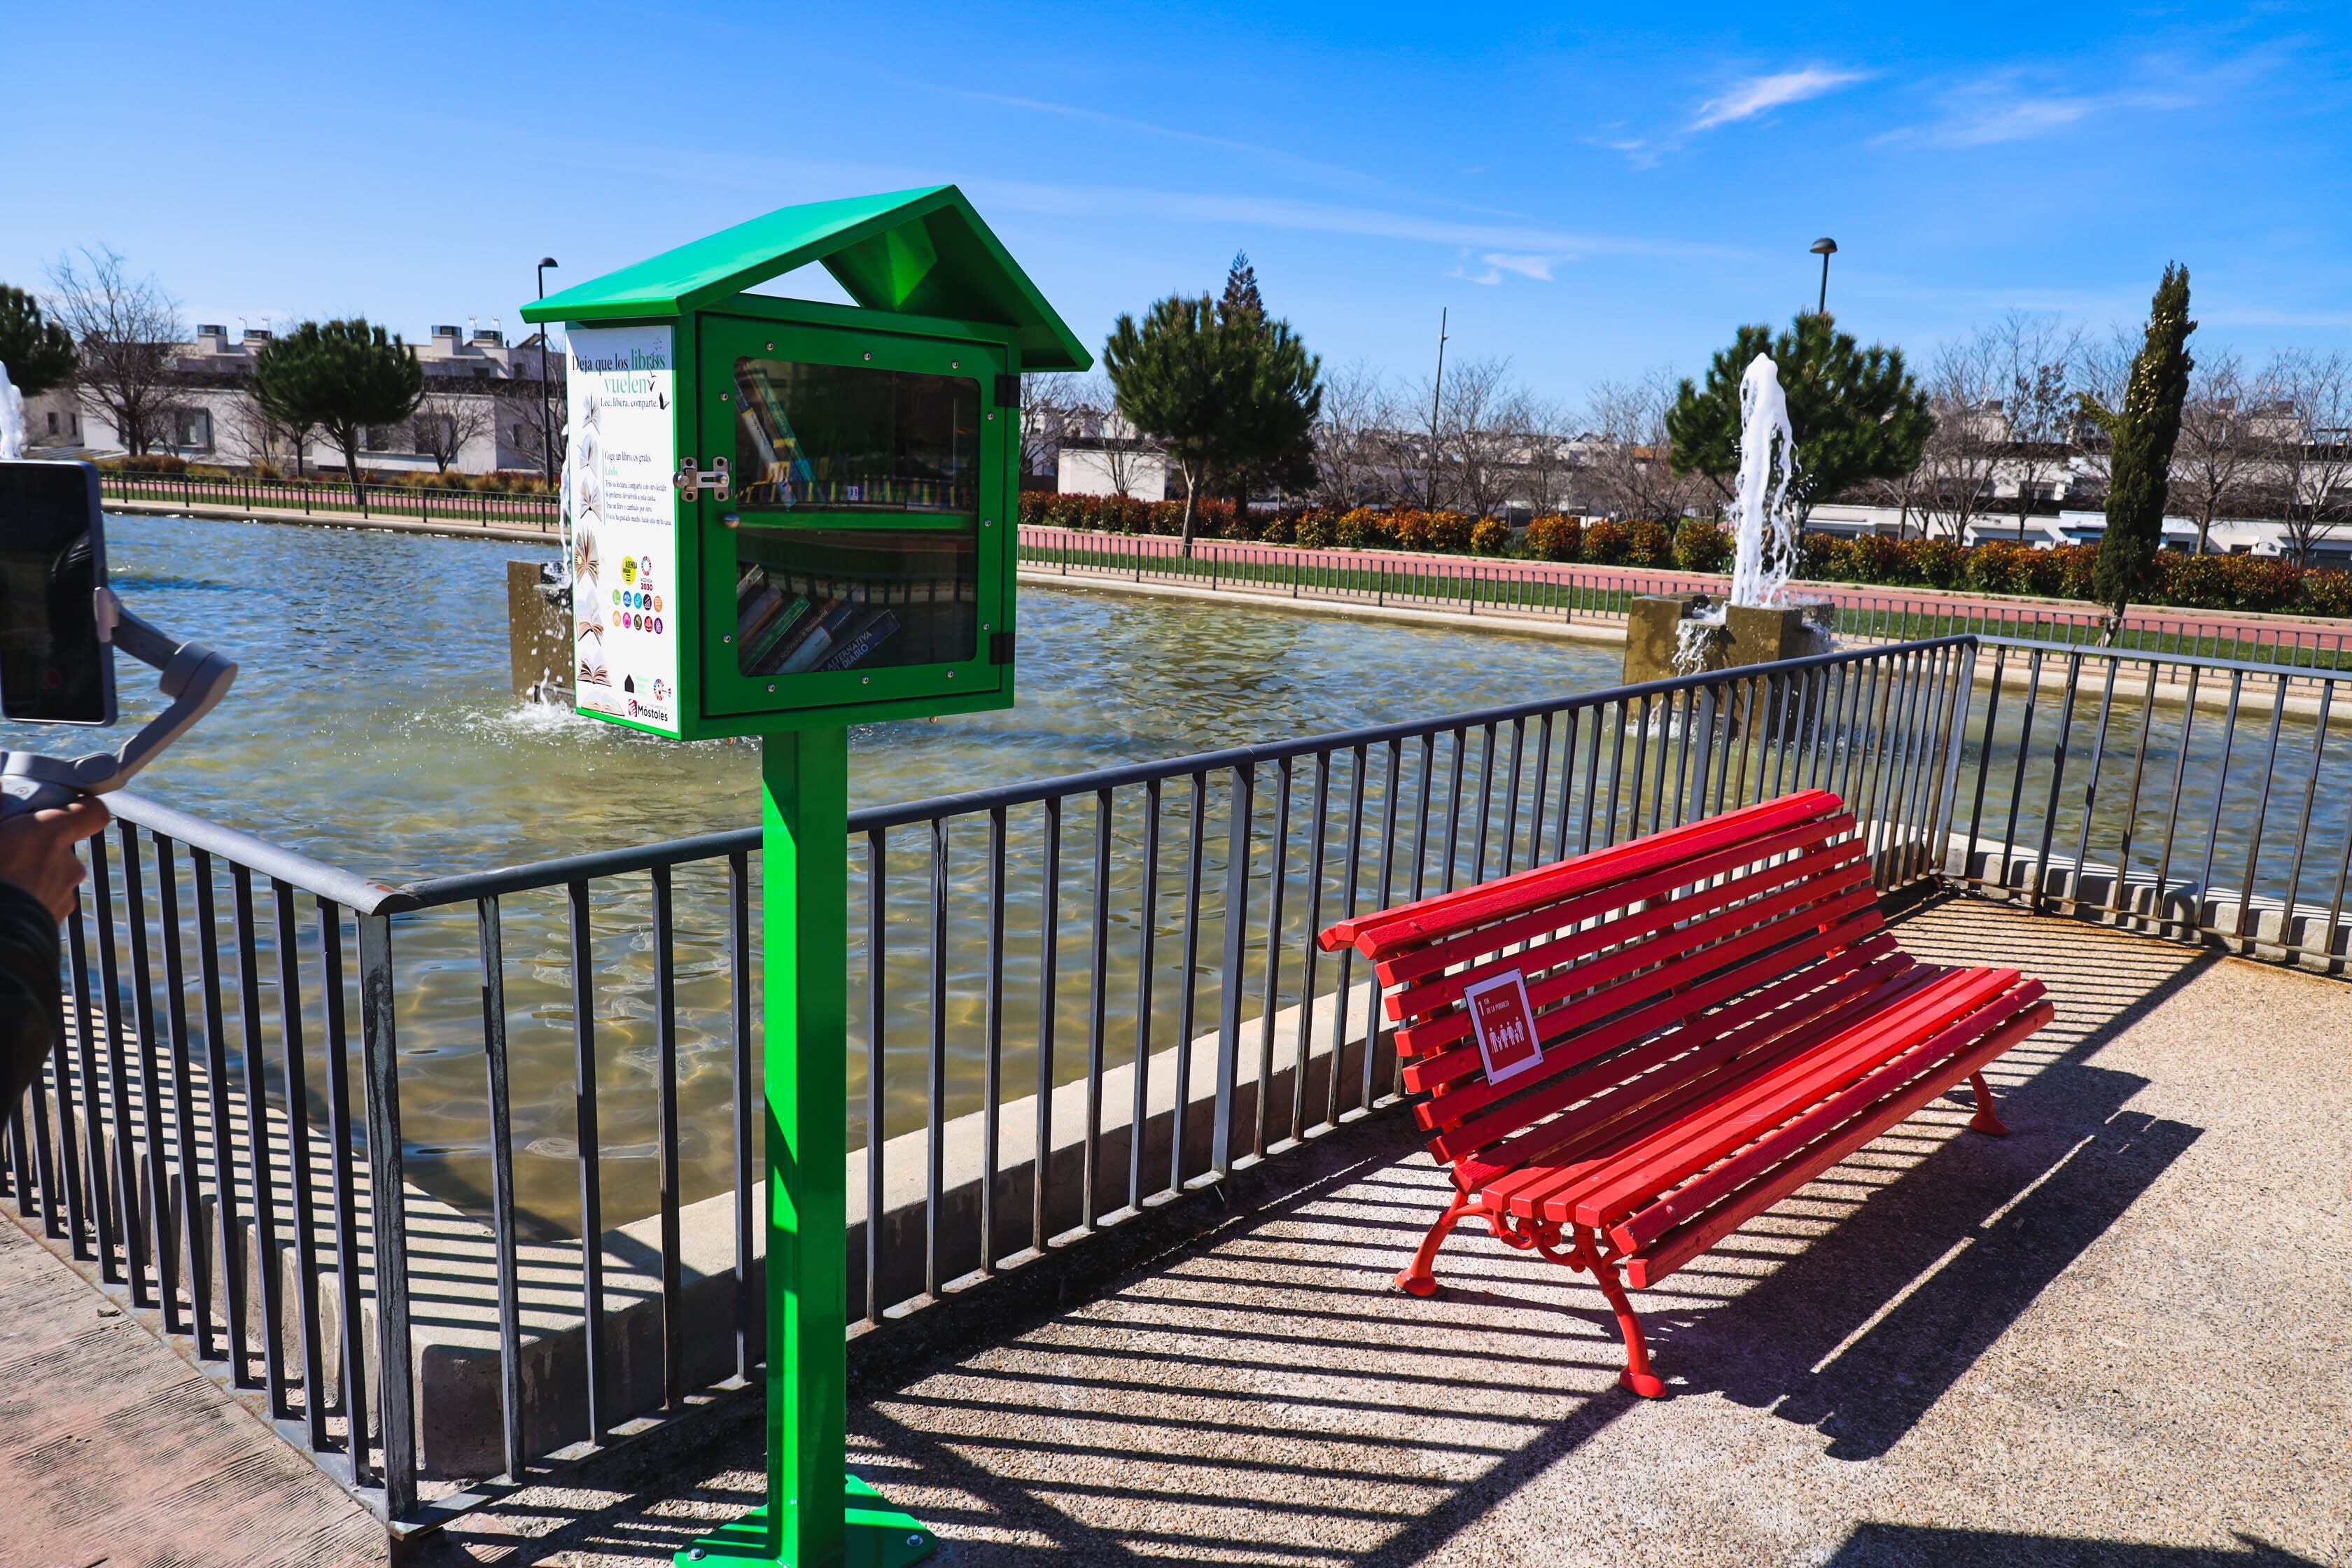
(194, 679)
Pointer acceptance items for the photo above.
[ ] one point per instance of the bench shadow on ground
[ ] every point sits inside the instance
(1862, 1331)
(1928, 1546)
(1262, 1395)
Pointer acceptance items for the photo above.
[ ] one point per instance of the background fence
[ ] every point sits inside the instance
(315, 498)
(1496, 585)
(1071, 1000)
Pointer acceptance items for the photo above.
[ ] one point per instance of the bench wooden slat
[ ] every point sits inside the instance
(1634, 1230)
(1375, 935)
(1753, 1047)
(1675, 1249)
(1418, 964)
(1739, 1118)
(1842, 865)
(1653, 1078)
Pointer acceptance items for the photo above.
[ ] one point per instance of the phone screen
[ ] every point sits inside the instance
(53, 667)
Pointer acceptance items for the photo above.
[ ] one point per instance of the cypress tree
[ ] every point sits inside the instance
(2141, 438)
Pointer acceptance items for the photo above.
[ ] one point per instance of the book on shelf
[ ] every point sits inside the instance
(870, 634)
(764, 641)
(821, 636)
(752, 614)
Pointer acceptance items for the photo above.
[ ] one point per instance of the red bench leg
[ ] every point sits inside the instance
(1419, 1279)
(1985, 1121)
(1637, 1376)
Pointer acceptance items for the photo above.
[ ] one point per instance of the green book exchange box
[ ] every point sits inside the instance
(785, 514)
(788, 517)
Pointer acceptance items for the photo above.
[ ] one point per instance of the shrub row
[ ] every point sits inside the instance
(2259, 583)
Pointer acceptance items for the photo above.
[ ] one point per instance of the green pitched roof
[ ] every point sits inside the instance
(922, 252)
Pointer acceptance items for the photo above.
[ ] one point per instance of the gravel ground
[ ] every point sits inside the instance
(2117, 1337)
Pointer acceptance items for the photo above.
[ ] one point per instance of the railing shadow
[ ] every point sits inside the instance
(1261, 1393)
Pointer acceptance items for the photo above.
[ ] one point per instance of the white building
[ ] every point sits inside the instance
(484, 410)
(1097, 466)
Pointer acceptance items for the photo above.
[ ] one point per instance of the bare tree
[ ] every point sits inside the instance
(1544, 460)
(1124, 450)
(528, 440)
(1626, 421)
(1481, 428)
(2312, 458)
(444, 423)
(1349, 446)
(2102, 376)
(1954, 477)
(2036, 361)
(124, 328)
(1052, 404)
(262, 438)
(2220, 449)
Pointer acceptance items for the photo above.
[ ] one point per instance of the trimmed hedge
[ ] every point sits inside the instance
(2255, 582)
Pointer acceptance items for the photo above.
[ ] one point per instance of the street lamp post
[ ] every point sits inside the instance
(546, 417)
(1824, 248)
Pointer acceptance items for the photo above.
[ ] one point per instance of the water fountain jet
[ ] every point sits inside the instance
(1758, 622)
(12, 419)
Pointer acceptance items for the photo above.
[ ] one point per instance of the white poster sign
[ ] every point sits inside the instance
(623, 512)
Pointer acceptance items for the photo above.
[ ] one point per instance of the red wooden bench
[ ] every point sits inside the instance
(1718, 1015)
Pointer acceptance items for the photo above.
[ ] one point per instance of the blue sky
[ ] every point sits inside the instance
(1590, 191)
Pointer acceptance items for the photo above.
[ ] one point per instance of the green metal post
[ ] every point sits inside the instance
(813, 1518)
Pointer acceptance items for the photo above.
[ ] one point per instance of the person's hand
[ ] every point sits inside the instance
(37, 852)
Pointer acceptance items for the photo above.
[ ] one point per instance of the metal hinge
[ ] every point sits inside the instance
(691, 481)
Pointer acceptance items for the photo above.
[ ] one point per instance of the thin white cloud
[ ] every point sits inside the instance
(2025, 119)
(1760, 95)
(1535, 267)
(1277, 212)
(2018, 104)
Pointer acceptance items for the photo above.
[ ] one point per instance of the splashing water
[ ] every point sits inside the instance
(1764, 530)
(1695, 636)
(12, 419)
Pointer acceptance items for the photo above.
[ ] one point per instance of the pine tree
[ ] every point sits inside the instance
(38, 353)
(2141, 439)
(1857, 412)
(1228, 395)
(340, 377)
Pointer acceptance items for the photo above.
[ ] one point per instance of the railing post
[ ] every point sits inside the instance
(395, 1390)
(1229, 984)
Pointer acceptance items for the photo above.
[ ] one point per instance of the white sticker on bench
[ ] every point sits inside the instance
(1505, 1025)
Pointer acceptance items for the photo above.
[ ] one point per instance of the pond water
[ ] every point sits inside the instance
(373, 727)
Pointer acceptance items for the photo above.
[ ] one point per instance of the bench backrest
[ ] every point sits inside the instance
(1646, 964)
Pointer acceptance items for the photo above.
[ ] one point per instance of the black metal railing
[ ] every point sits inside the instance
(421, 503)
(1071, 1000)
(2200, 800)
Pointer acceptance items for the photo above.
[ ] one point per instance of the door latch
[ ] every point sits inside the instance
(691, 481)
